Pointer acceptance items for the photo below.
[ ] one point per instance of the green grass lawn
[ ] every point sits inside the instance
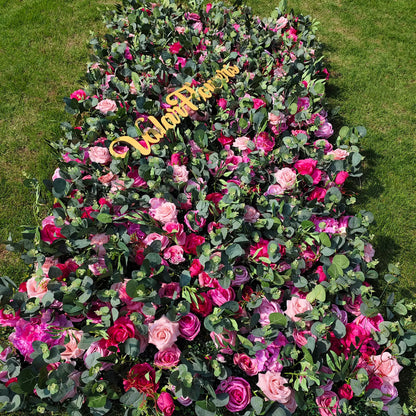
(369, 47)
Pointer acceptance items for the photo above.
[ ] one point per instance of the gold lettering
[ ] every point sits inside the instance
(158, 126)
(204, 93)
(185, 100)
(132, 142)
(170, 118)
(208, 85)
(221, 75)
(180, 110)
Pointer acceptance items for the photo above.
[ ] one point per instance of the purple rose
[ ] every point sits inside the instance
(325, 130)
(239, 393)
(189, 326)
(241, 276)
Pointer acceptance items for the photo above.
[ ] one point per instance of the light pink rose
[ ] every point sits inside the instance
(180, 29)
(180, 173)
(47, 264)
(328, 403)
(281, 23)
(37, 288)
(163, 333)
(98, 241)
(98, 154)
(251, 215)
(165, 212)
(368, 252)
(241, 143)
(156, 237)
(71, 347)
(339, 154)
(174, 254)
(168, 358)
(295, 306)
(276, 119)
(272, 384)
(286, 178)
(106, 106)
(386, 367)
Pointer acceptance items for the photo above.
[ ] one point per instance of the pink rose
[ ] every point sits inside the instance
(163, 333)
(189, 326)
(251, 215)
(165, 404)
(281, 23)
(180, 173)
(164, 241)
(107, 106)
(339, 154)
(168, 358)
(98, 241)
(265, 309)
(296, 306)
(180, 29)
(241, 143)
(174, 254)
(274, 190)
(368, 252)
(272, 384)
(386, 367)
(71, 347)
(37, 288)
(99, 154)
(246, 363)
(286, 178)
(239, 393)
(328, 403)
(306, 166)
(224, 341)
(165, 212)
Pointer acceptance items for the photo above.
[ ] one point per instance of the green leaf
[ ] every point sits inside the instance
(324, 239)
(97, 401)
(27, 379)
(394, 409)
(234, 250)
(257, 404)
(203, 408)
(105, 218)
(132, 347)
(277, 318)
(341, 261)
(400, 309)
(339, 329)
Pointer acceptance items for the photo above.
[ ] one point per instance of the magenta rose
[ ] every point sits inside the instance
(239, 393)
(306, 166)
(122, 330)
(165, 404)
(50, 232)
(341, 177)
(175, 48)
(264, 142)
(189, 326)
(79, 95)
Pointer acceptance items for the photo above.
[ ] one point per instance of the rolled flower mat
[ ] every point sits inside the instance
(201, 256)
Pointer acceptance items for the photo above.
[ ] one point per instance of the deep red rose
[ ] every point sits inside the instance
(346, 392)
(192, 242)
(142, 377)
(175, 48)
(196, 268)
(204, 306)
(50, 233)
(224, 140)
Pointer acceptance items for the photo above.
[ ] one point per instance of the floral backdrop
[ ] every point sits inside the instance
(201, 255)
